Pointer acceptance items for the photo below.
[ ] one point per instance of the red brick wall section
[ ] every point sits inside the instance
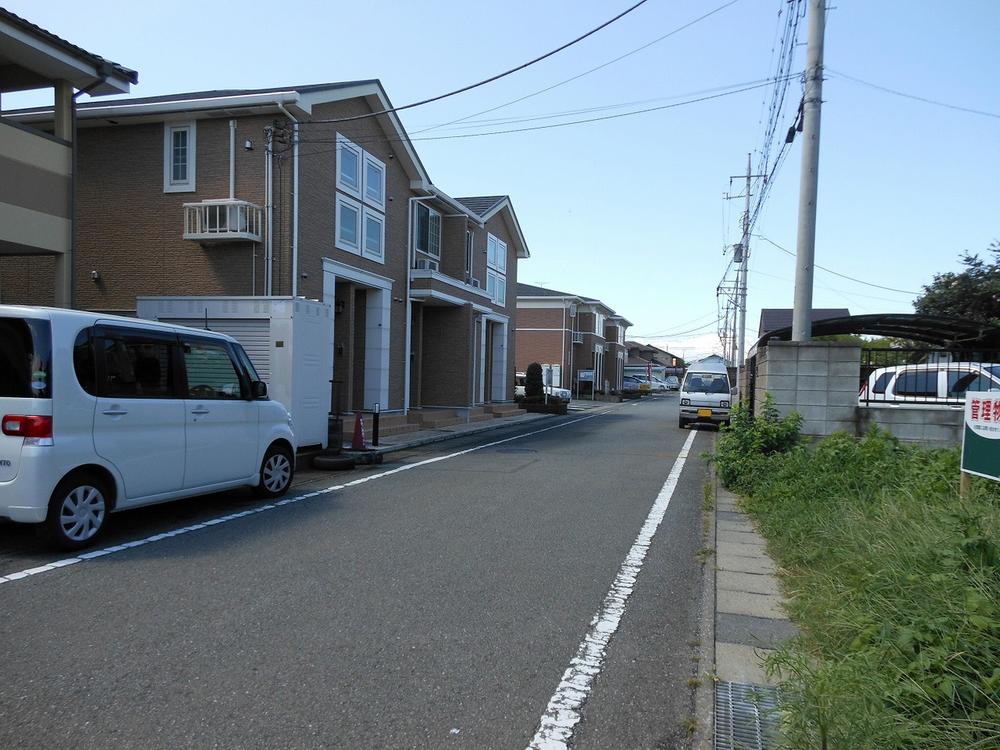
(446, 368)
(544, 347)
(539, 317)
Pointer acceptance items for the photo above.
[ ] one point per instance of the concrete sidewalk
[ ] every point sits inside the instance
(744, 621)
(749, 619)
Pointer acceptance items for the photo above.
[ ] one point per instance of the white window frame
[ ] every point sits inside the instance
(496, 287)
(343, 144)
(599, 324)
(371, 161)
(339, 242)
(169, 184)
(496, 253)
(380, 218)
(426, 251)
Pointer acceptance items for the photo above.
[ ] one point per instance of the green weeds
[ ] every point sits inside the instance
(893, 579)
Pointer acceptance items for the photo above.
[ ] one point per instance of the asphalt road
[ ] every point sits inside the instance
(434, 606)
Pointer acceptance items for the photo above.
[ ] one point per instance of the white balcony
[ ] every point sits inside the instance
(225, 220)
(577, 337)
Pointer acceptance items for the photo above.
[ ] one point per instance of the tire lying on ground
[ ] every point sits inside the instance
(333, 462)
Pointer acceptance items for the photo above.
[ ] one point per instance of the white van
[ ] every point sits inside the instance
(705, 394)
(102, 413)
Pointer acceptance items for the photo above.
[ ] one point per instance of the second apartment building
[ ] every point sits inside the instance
(582, 340)
(311, 191)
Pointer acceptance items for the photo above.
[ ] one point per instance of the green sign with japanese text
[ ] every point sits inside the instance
(981, 436)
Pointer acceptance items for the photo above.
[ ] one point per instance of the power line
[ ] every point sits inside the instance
(605, 107)
(686, 322)
(837, 273)
(913, 96)
(541, 127)
(491, 79)
(585, 73)
(676, 334)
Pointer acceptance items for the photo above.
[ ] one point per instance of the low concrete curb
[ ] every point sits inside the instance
(704, 695)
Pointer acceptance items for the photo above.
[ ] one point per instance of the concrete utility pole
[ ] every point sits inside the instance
(805, 249)
(741, 288)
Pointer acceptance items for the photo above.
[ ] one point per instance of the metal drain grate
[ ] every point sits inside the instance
(746, 716)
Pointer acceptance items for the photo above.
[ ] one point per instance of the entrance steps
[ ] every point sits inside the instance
(389, 424)
(433, 419)
(500, 411)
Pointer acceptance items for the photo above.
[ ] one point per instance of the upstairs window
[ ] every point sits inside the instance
(360, 201)
(428, 231)
(496, 268)
(349, 159)
(374, 182)
(496, 254)
(179, 158)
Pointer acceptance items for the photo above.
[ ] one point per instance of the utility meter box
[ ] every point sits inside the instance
(289, 340)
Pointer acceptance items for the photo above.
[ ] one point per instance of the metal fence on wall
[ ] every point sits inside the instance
(896, 377)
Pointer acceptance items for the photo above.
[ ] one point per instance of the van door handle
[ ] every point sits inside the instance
(115, 412)
(200, 411)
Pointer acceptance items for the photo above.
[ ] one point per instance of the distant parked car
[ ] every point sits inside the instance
(553, 390)
(656, 384)
(938, 384)
(673, 383)
(633, 384)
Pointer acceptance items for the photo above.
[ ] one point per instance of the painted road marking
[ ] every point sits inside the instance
(19, 575)
(555, 730)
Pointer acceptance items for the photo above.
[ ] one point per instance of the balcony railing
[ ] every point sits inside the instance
(577, 337)
(223, 221)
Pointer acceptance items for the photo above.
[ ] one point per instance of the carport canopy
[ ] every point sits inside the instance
(950, 333)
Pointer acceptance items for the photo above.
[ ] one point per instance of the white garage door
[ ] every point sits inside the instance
(253, 333)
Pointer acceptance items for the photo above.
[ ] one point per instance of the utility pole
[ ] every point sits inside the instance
(742, 258)
(741, 289)
(805, 249)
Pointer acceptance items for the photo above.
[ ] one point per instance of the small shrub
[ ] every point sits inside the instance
(745, 446)
(533, 381)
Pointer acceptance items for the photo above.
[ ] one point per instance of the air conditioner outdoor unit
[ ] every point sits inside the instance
(475, 283)
(427, 264)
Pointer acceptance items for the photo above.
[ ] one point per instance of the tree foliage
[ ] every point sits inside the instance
(533, 381)
(973, 294)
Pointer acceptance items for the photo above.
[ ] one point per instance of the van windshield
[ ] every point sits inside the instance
(25, 358)
(706, 382)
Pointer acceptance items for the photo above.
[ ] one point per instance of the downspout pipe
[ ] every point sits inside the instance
(268, 205)
(232, 160)
(407, 363)
(295, 198)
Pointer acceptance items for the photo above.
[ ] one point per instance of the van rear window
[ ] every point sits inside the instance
(25, 358)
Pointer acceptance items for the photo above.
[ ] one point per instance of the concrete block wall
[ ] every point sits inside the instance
(931, 426)
(819, 380)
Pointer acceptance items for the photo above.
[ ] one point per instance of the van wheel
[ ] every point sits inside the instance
(681, 422)
(276, 471)
(78, 511)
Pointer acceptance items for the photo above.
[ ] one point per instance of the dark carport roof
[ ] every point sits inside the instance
(928, 329)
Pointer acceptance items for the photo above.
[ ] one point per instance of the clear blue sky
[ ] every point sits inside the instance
(630, 210)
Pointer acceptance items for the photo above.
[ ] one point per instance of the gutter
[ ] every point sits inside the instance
(295, 198)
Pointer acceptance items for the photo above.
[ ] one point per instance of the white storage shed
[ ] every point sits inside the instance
(289, 340)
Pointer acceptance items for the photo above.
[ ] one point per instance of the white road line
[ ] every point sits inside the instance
(555, 730)
(21, 574)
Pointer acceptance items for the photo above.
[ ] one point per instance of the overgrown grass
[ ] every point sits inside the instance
(894, 580)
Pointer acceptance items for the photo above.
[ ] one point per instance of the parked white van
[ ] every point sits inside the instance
(103, 413)
(705, 394)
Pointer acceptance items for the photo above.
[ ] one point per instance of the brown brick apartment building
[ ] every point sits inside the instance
(581, 339)
(311, 191)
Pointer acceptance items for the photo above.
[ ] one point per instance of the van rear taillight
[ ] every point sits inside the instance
(18, 425)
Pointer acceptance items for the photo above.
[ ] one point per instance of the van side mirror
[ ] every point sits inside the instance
(258, 389)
